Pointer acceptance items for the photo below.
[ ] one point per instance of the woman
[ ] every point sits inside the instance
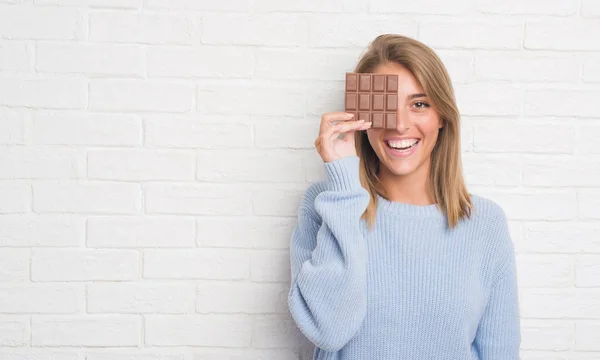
(391, 257)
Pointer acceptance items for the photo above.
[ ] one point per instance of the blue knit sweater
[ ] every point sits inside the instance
(410, 288)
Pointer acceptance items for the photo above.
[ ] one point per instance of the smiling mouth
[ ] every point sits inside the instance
(402, 146)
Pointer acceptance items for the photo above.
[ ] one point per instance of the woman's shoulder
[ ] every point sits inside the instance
(492, 224)
(486, 208)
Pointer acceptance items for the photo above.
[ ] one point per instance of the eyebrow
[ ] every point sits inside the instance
(413, 96)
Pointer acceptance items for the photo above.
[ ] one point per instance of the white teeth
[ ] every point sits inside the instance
(401, 143)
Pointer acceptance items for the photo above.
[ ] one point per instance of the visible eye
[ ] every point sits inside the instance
(421, 104)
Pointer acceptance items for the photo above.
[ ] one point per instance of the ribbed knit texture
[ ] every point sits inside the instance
(410, 288)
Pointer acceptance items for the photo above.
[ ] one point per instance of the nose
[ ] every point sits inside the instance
(402, 120)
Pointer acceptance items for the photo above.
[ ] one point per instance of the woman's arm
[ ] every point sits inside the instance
(327, 297)
(498, 336)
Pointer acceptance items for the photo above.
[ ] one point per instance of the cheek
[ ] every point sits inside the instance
(373, 136)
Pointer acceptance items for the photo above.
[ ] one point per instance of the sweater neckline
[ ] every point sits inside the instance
(401, 208)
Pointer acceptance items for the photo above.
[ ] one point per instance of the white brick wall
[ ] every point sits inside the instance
(153, 154)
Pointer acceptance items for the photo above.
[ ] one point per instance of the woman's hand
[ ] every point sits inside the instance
(336, 135)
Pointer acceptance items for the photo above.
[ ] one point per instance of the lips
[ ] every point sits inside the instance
(402, 152)
(401, 144)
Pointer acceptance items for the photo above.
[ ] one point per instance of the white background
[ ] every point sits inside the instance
(153, 154)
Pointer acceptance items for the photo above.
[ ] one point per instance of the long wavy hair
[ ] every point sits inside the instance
(445, 173)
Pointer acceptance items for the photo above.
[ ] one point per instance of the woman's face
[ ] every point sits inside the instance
(417, 120)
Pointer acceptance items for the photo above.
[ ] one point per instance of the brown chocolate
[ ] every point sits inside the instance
(373, 98)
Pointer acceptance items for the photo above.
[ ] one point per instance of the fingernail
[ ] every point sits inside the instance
(361, 121)
(349, 115)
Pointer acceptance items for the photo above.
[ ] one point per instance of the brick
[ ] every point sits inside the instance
(472, 34)
(31, 298)
(138, 354)
(16, 197)
(209, 330)
(91, 59)
(58, 128)
(88, 330)
(288, 133)
(556, 335)
(40, 162)
(244, 166)
(206, 61)
(277, 199)
(590, 9)
(533, 136)
(13, 122)
(559, 237)
(43, 93)
(558, 102)
(553, 271)
(241, 297)
(587, 138)
(142, 28)
(140, 165)
(255, 29)
(333, 30)
(210, 264)
(589, 202)
(315, 171)
(251, 99)
(38, 354)
(14, 265)
(231, 5)
(322, 98)
(317, 64)
(41, 23)
(245, 232)
(591, 68)
(270, 266)
(563, 34)
(548, 205)
(136, 232)
(122, 4)
(491, 169)
(244, 354)
(275, 331)
(87, 197)
(489, 99)
(458, 63)
(586, 335)
(181, 131)
(197, 199)
(143, 298)
(14, 55)
(527, 67)
(14, 331)
(560, 171)
(84, 265)
(141, 95)
(41, 230)
(584, 355)
(568, 303)
(530, 7)
(428, 7)
(587, 271)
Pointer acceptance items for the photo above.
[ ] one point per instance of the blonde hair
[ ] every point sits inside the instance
(445, 173)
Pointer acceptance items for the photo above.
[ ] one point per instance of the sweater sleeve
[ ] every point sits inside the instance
(327, 297)
(498, 335)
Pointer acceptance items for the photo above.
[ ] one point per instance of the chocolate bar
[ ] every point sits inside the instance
(373, 98)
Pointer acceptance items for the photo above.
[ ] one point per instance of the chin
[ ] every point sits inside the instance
(400, 167)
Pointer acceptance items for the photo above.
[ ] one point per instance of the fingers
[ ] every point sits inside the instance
(329, 119)
(345, 127)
